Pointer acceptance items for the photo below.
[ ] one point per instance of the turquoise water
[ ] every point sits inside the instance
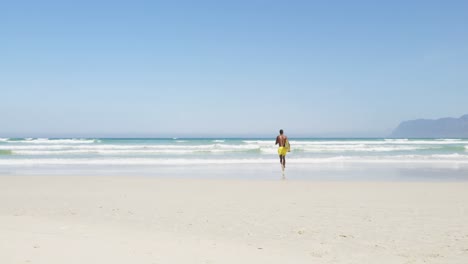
(112, 154)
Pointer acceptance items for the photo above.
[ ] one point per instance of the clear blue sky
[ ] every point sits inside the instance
(237, 68)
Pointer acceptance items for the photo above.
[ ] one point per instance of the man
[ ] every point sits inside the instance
(282, 149)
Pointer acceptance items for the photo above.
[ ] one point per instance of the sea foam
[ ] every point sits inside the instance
(404, 159)
(227, 151)
(54, 141)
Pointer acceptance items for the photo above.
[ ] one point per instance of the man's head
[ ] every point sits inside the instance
(281, 131)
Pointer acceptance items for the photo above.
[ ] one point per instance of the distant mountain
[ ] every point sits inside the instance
(429, 128)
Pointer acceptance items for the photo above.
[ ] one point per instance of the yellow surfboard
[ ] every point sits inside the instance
(288, 147)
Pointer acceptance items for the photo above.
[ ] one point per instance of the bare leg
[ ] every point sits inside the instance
(284, 161)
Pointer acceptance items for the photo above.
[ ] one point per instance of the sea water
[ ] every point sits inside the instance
(310, 158)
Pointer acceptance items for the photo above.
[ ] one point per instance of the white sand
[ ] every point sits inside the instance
(148, 220)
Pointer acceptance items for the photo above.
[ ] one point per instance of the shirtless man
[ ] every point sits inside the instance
(282, 150)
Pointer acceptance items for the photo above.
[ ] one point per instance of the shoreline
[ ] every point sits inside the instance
(293, 172)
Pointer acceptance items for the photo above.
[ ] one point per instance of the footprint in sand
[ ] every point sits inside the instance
(435, 255)
(316, 254)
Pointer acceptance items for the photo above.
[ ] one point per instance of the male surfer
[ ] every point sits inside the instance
(282, 139)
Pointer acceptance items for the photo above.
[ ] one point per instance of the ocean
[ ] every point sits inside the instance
(237, 157)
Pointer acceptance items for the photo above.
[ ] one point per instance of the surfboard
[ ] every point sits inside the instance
(288, 147)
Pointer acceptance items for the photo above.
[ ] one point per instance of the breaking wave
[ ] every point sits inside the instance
(453, 158)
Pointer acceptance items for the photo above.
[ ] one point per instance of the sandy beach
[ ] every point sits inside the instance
(107, 219)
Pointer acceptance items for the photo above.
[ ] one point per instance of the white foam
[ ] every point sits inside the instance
(372, 142)
(101, 152)
(102, 147)
(225, 146)
(263, 148)
(396, 139)
(214, 148)
(124, 149)
(449, 156)
(55, 141)
(260, 142)
(4, 139)
(405, 159)
(132, 161)
(359, 148)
